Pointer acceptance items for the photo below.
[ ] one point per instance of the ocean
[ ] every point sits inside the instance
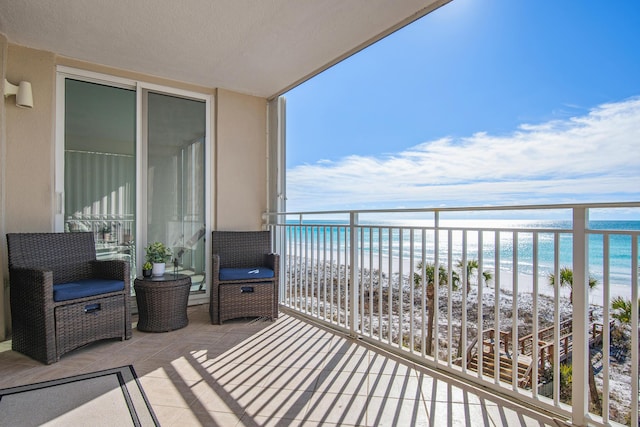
(394, 238)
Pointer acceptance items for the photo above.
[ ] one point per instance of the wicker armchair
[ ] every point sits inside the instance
(245, 276)
(62, 297)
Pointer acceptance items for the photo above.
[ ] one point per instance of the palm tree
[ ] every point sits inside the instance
(472, 268)
(622, 310)
(443, 281)
(566, 280)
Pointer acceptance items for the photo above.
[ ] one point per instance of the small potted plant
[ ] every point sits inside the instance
(157, 254)
(146, 269)
(106, 232)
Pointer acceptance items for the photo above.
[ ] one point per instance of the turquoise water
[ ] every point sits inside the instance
(385, 237)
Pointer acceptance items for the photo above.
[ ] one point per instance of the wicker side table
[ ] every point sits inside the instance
(162, 302)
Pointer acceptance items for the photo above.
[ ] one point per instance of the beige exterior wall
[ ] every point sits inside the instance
(241, 152)
(30, 149)
(27, 169)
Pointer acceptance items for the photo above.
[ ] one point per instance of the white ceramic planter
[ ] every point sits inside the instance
(158, 269)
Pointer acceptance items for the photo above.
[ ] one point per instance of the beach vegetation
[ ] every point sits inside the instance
(621, 310)
(429, 270)
(566, 380)
(620, 344)
(621, 337)
(444, 281)
(566, 281)
(472, 269)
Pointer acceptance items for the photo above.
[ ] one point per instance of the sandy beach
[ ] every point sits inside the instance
(507, 279)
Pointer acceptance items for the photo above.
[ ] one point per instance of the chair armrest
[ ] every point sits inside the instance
(31, 286)
(215, 267)
(33, 313)
(113, 269)
(273, 261)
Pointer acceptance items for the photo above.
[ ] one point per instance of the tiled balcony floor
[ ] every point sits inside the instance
(287, 372)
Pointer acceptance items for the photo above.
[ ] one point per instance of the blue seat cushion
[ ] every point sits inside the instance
(246, 273)
(85, 288)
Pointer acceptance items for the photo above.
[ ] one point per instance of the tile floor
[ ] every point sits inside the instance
(288, 372)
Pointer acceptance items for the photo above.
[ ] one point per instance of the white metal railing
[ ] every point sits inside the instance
(371, 274)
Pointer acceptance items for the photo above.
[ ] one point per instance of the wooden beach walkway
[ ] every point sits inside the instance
(525, 348)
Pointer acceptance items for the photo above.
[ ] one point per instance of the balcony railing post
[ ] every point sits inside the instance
(635, 358)
(436, 282)
(353, 274)
(280, 247)
(581, 356)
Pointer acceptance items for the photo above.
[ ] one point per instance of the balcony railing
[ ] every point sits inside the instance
(465, 291)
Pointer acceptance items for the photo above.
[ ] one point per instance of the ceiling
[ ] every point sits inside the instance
(257, 47)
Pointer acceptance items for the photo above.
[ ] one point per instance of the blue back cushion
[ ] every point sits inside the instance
(85, 288)
(246, 273)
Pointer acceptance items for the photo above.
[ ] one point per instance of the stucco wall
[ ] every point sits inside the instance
(238, 182)
(241, 153)
(29, 152)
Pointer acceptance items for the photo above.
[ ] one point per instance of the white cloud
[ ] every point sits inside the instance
(591, 158)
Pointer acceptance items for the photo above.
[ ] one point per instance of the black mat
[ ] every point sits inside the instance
(113, 397)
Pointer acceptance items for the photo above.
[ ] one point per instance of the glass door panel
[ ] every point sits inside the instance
(176, 130)
(100, 166)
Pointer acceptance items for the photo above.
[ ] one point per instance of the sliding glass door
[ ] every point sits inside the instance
(176, 131)
(100, 166)
(132, 168)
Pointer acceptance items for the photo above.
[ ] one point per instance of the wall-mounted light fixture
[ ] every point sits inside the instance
(22, 91)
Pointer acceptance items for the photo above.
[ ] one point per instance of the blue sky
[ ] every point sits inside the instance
(482, 102)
